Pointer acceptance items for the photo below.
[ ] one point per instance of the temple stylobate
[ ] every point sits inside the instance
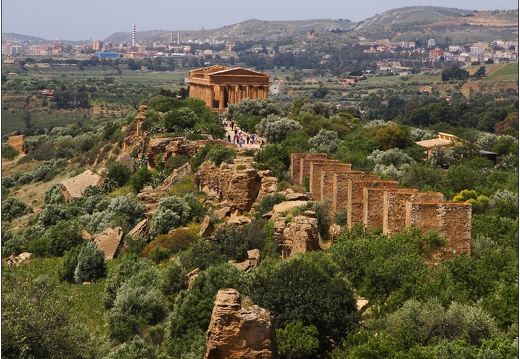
(219, 86)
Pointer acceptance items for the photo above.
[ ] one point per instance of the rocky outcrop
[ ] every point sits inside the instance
(74, 187)
(161, 149)
(239, 183)
(238, 332)
(150, 198)
(253, 259)
(17, 260)
(108, 241)
(126, 160)
(140, 230)
(206, 227)
(176, 175)
(285, 207)
(297, 234)
(190, 277)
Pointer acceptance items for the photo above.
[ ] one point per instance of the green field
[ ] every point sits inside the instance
(14, 121)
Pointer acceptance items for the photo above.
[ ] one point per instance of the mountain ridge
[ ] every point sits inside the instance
(395, 22)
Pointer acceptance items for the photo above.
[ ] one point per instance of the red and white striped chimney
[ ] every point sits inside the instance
(133, 35)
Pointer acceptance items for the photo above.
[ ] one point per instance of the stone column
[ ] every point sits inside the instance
(221, 103)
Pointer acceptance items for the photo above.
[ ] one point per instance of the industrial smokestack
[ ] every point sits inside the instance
(133, 35)
(178, 37)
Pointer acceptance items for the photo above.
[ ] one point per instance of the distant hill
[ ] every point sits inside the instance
(413, 23)
(247, 30)
(17, 37)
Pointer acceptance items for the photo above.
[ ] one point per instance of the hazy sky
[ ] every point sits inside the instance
(98, 19)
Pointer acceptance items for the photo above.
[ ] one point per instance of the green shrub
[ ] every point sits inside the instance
(25, 178)
(158, 255)
(172, 278)
(53, 195)
(8, 182)
(13, 208)
(297, 341)
(91, 264)
(139, 179)
(9, 152)
(268, 202)
(138, 302)
(176, 241)
(63, 236)
(119, 174)
(69, 264)
(172, 212)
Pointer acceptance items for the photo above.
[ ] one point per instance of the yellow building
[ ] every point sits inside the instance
(219, 86)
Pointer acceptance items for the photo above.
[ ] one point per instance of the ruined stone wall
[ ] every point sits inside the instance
(340, 187)
(305, 167)
(17, 143)
(355, 197)
(378, 203)
(450, 219)
(394, 207)
(315, 184)
(295, 163)
(327, 186)
(373, 205)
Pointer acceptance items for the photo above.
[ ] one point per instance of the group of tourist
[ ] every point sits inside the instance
(239, 138)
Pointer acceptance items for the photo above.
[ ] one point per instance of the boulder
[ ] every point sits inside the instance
(126, 160)
(108, 241)
(238, 332)
(206, 227)
(190, 277)
(298, 235)
(286, 207)
(140, 230)
(74, 187)
(19, 259)
(176, 175)
(253, 259)
(239, 220)
(222, 213)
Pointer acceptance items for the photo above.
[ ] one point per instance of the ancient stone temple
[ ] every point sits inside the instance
(220, 86)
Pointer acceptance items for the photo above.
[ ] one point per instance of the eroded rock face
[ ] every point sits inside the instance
(297, 235)
(238, 332)
(176, 175)
(160, 148)
(239, 184)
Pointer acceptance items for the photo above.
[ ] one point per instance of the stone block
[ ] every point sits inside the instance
(327, 185)
(17, 143)
(450, 219)
(296, 163)
(355, 197)
(340, 187)
(305, 167)
(373, 205)
(315, 184)
(394, 207)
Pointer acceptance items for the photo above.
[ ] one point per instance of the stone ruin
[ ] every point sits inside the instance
(374, 202)
(17, 143)
(238, 330)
